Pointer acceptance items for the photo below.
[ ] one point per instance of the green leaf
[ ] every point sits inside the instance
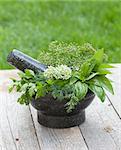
(32, 89)
(73, 80)
(61, 83)
(92, 76)
(24, 87)
(103, 71)
(86, 69)
(58, 94)
(98, 56)
(103, 82)
(72, 103)
(29, 73)
(11, 88)
(81, 89)
(49, 81)
(40, 91)
(13, 80)
(18, 86)
(97, 90)
(104, 66)
(25, 98)
(21, 74)
(22, 99)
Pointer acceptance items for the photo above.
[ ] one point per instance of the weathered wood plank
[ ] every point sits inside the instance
(116, 98)
(49, 139)
(102, 129)
(58, 139)
(6, 137)
(16, 127)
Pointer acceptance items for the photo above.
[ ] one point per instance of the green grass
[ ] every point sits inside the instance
(30, 26)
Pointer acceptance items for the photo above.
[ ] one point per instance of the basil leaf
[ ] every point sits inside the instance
(81, 89)
(103, 71)
(98, 56)
(73, 80)
(86, 69)
(92, 76)
(104, 66)
(103, 82)
(97, 90)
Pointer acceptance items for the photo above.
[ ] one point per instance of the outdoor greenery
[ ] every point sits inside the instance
(31, 26)
(63, 82)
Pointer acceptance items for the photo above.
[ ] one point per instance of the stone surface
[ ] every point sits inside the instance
(61, 121)
(22, 61)
(52, 113)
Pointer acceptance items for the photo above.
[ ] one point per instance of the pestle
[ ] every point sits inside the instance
(22, 61)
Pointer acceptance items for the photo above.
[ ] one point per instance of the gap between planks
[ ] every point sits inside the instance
(58, 139)
(116, 98)
(16, 127)
(19, 116)
(101, 130)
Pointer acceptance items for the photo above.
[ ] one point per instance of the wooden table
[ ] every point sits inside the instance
(19, 129)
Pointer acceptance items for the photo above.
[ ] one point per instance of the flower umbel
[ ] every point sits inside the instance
(60, 72)
(49, 72)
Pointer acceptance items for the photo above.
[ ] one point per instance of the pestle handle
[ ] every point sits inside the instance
(22, 61)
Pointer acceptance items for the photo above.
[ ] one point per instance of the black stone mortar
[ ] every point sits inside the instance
(51, 112)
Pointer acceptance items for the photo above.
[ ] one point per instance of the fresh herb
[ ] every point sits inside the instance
(70, 54)
(63, 82)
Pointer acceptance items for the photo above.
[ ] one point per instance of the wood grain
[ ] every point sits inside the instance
(16, 127)
(102, 128)
(58, 139)
(116, 98)
(19, 129)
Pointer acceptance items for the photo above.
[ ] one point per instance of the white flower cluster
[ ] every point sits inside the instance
(60, 72)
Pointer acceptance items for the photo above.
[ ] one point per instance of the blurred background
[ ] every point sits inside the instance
(30, 26)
